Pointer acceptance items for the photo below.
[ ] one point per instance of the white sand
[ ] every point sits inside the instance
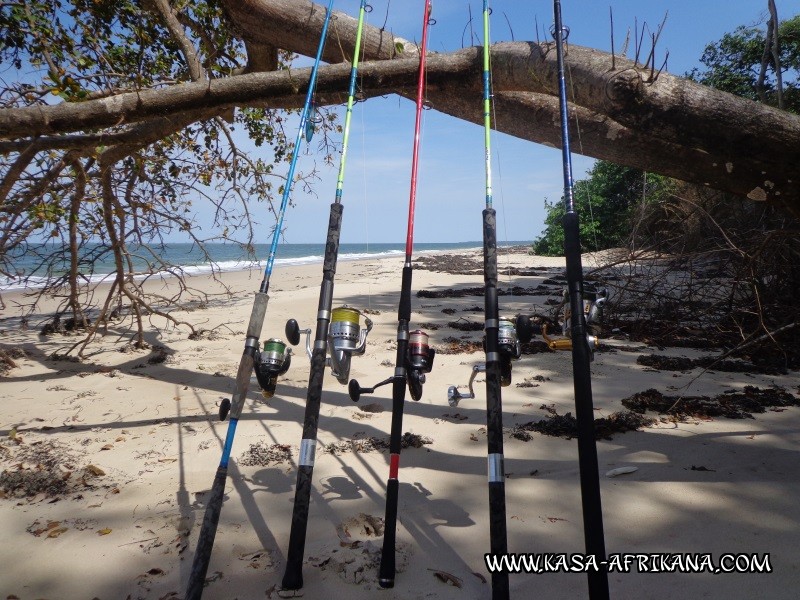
(154, 433)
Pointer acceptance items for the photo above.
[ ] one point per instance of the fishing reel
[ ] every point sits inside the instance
(345, 339)
(418, 362)
(269, 364)
(593, 301)
(509, 348)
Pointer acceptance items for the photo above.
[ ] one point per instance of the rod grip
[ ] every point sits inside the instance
(293, 576)
(332, 244)
(404, 310)
(387, 568)
(490, 245)
(498, 538)
(205, 541)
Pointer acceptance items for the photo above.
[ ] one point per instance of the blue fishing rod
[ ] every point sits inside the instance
(581, 347)
(337, 332)
(268, 364)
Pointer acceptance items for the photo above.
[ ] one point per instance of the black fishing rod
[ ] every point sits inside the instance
(338, 330)
(268, 364)
(414, 356)
(581, 350)
(500, 345)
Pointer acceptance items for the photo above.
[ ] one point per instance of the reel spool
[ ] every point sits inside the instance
(419, 362)
(345, 339)
(510, 348)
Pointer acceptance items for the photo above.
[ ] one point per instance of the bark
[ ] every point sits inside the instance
(670, 126)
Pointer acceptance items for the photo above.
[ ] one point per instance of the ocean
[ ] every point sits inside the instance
(32, 273)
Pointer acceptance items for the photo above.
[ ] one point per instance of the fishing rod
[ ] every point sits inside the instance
(414, 357)
(581, 350)
(268, 364)
(500, 345)
(337, 330)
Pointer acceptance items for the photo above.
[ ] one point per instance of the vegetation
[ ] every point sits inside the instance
(613, 200)
(117, 195)
(609, 202)
(725, 267)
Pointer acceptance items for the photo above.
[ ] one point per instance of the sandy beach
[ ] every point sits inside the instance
(131, 441)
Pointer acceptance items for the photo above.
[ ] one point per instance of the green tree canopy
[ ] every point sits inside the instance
(733, 64)
(607, 203)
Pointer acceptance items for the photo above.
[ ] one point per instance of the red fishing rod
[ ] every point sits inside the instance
(414, 357)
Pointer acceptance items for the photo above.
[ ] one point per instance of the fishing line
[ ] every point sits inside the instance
(580, 145)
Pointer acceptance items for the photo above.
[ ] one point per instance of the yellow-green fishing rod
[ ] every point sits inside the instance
(346, 342)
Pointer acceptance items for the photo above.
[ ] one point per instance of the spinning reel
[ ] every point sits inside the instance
(509, 347)
(418, 362)
(593, 302)
(272, 362)
(269, 364)
(345, 339)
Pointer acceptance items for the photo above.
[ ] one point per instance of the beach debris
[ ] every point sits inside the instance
(7, 359)
(44, 469)
(455, 345)
(702, 468)
(375, 407)
(261, 455)
(465, 325)
(104, 531)
(681, 363)
(479, 291)
(159, 355)
(260, 559)
(374, 444)
(447, 578)
(566, 426)
(732, 404)
(364, 525)
(621, 471)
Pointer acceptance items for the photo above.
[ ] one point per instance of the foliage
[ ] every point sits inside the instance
(140, 183)
(611, 201)
(733, 63)
(607, 202)
(742, 258)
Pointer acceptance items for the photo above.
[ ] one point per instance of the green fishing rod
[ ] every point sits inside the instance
(268, 364)
(414, 358)
(581, 347)
(501, 345)
(338, 333)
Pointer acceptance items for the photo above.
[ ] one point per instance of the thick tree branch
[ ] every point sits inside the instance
(671, 126)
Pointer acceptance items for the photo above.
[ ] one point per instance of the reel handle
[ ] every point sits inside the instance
(292, 332)
(454, 396)
(355, 390)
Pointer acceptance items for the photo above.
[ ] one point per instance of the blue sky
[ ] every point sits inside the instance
(450, 192)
